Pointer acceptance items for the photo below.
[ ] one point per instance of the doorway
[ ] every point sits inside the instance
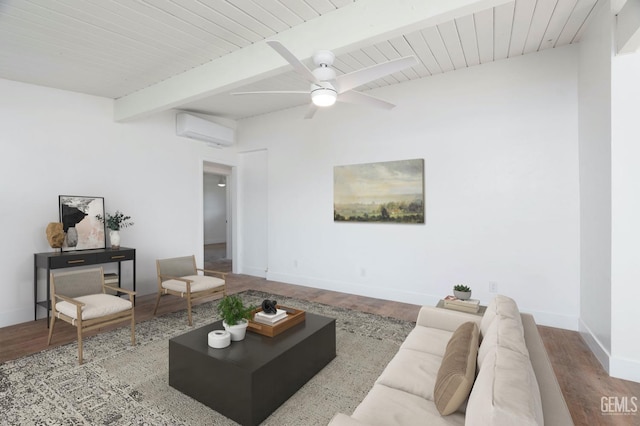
(216, 218)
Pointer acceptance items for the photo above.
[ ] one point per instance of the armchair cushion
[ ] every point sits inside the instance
(200, 283)
(96, 305)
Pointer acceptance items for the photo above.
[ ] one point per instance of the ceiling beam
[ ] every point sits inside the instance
(357, 25)
(628, 27)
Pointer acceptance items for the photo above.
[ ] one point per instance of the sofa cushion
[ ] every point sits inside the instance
(428, 340)
(413, 372)
(505, 392)
(506, 332)
(499, 305)
(384, 406)
(458, 369)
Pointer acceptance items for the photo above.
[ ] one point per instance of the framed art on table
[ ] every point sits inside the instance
(83, 230)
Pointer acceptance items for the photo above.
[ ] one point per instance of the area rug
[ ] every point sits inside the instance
(123, 385)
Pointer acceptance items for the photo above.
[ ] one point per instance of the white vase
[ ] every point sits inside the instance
(237, 331)
(114, 238)
(462, 295)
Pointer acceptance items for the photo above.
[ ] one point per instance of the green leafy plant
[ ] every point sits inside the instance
(461, 287)
(233, 310)
(115, 221)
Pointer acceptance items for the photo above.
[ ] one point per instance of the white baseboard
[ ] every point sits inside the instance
(554, 320)
(356, 288)
(18, 316)
(252, 270)
(542, 318)
(621, 368)
(627, 369)
(214, 242)
(600, 352)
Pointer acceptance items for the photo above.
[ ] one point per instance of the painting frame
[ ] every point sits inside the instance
(80, 213)
(382, 192)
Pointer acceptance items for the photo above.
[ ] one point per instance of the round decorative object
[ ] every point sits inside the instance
(219, 339)
(114, 238)
(269, 306)
(72, 236)
(462, 295)
(237, 331)
(55, 234)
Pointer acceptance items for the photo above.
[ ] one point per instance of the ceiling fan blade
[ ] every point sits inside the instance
(360, 98)
(295, 62)
(274, 92)
(358, 78)
(310, 112)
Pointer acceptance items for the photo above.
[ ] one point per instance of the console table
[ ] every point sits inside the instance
(69, 259)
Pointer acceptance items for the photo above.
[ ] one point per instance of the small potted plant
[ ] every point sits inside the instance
(462, 292)
(114, 223)
(235, 315)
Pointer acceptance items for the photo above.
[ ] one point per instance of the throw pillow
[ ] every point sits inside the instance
(458, 369)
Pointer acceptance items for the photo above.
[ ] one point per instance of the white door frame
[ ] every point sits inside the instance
(229, 171)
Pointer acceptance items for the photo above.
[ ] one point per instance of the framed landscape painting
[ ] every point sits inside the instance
(391, 191)
(82, 229)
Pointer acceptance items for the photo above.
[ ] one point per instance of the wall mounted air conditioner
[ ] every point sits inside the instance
(194, 127)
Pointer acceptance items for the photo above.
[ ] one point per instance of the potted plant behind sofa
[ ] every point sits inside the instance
(235, 315)
(462, 292)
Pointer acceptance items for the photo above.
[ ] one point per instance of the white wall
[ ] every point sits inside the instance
(500, 145)
(625, 211)
(595, 182)
(57, 142)
(252, 247)
(609, 196)
(215, 210)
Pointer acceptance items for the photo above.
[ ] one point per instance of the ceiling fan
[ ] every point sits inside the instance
(327, 88)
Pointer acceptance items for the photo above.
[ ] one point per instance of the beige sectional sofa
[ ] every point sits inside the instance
(509, 374)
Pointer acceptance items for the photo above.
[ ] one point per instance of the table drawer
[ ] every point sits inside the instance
(117, 256)
(69, 260)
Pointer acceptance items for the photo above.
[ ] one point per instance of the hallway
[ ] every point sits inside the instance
(215, 257)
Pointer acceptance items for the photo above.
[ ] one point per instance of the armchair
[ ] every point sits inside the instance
(179, 277)
(78, 297)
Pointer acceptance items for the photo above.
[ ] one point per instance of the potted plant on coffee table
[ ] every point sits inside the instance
(462, 292)
(235, 315)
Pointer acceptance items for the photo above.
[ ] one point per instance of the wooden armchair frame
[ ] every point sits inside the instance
(179, 269)
(83, 325)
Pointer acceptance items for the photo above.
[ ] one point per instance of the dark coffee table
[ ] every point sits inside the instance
(248, 380)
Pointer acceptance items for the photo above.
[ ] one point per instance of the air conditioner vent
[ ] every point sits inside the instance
(193, 127)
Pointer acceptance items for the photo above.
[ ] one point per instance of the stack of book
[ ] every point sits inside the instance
(270, 319)
(112, 280)
(469, 305)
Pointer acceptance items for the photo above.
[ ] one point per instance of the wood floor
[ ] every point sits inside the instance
(582, 379)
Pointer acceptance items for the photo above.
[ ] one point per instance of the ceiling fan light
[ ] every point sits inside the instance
(324, 97)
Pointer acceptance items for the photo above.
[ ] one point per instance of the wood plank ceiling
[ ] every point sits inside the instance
(117, 47)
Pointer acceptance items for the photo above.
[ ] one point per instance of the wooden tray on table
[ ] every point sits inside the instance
(294, 317)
